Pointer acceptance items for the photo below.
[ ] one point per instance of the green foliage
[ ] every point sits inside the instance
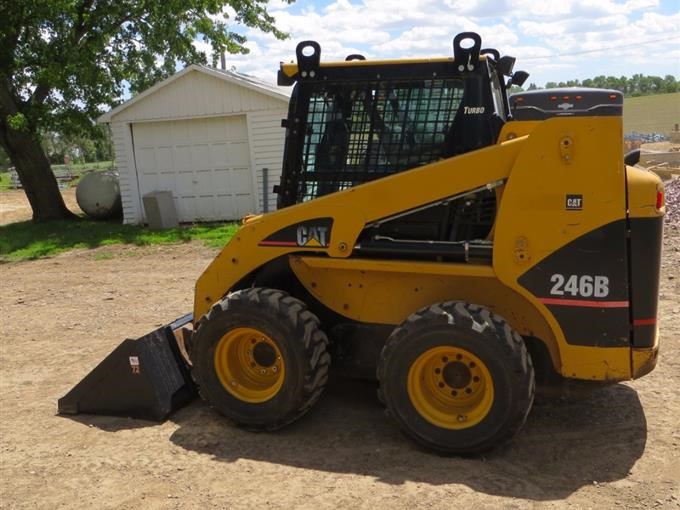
(17, 122)
(637, 85)
(93, 147)
(63, 62)
(26, 240)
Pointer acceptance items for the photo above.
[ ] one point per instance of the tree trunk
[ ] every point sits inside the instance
(35, 174)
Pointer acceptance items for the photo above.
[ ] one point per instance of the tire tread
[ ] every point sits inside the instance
(307, 329)
(509, 341)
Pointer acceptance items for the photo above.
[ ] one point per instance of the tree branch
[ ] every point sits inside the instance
(40, 94)
(8, 103)
(80, 28)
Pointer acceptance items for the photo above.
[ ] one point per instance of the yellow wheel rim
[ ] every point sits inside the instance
(450, 387)
(249, 365)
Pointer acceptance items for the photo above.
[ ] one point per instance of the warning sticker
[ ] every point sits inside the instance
(134, 364)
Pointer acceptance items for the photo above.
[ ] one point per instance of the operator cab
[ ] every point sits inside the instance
(356, 121)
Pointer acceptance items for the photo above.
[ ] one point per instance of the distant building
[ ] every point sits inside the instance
(205, 135)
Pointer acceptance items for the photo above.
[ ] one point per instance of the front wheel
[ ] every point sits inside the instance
(456, 378)
(260, 358)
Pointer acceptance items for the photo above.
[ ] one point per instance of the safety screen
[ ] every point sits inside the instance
(360, 131)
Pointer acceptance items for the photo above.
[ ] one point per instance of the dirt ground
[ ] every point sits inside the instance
(14, 205)
(620, 448)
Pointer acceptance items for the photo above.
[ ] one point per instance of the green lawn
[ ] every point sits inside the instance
(651, 114)
(77, 169)
(5, 180)
(27, 240)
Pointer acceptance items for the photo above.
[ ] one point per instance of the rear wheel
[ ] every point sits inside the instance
(456, 378)
(260, 358)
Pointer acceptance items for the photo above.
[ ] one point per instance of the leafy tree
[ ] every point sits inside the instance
(637, 85)
(95, 146)
(671, 84)
(63, 62)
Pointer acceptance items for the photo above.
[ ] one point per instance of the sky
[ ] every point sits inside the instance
(553, 40)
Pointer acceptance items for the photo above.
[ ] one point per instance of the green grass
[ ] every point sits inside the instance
(78, 168)
(26, 240)
(651, 114)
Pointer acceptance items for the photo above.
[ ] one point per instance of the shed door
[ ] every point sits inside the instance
(204, 162)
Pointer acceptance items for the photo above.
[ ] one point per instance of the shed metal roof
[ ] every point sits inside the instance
(232, 77)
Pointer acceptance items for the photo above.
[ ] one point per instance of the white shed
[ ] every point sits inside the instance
(205, 135)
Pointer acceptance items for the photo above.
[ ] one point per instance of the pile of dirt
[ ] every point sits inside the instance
(672, 189)
(659, 147)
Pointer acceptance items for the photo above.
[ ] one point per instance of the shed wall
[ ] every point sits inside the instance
(127, 172)
(266, 141)
(195, 95)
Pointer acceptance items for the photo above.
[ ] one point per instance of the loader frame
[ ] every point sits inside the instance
(457, 243)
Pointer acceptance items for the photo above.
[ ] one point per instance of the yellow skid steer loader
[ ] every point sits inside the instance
(457, 243)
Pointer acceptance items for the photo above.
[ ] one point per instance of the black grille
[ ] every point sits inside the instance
(360, 131)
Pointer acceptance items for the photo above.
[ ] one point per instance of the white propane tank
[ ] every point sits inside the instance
(98, 195)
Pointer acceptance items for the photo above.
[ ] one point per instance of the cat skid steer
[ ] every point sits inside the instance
(459, 244)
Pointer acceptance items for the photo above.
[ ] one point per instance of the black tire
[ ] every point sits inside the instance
(299, 347)
(411, 352)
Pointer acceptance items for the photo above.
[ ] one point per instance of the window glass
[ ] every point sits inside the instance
(356, 132)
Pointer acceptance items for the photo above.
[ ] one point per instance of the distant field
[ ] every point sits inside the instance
(77, 169)
(651, 114)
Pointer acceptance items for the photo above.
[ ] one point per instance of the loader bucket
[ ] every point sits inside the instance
(143, 378)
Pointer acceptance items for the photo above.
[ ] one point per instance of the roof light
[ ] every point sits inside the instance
(578, 98)
(553, 98)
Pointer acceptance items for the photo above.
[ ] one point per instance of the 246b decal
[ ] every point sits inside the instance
(581, 286)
